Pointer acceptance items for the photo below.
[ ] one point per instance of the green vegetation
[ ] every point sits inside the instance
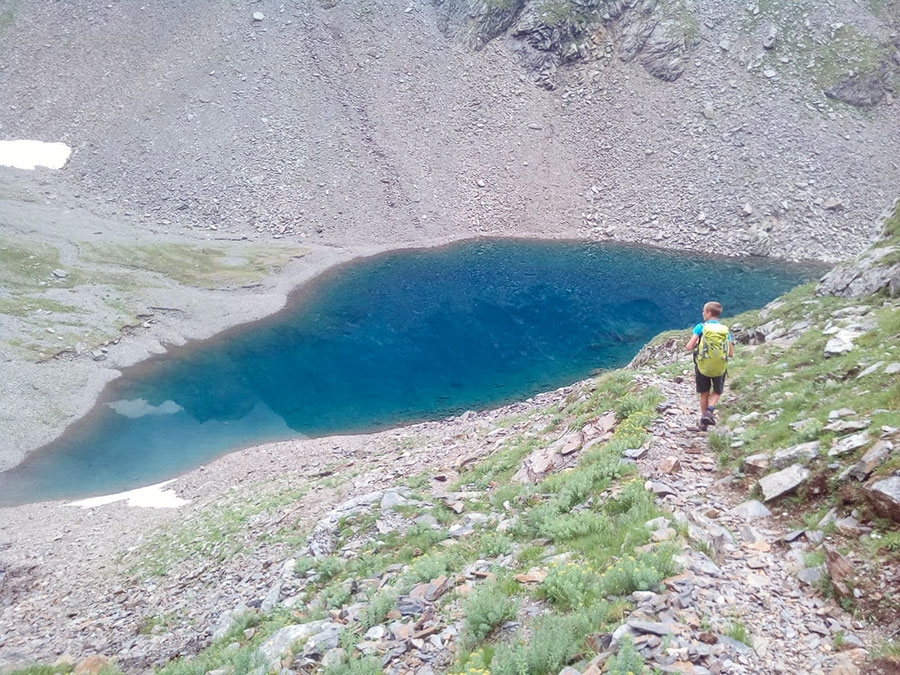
(796, 388)
(846, 51)
(594, 518)
(84, 303)
(208, 538)
(889, 650)
(8, 15)
(822, 53)
(736, 630)
(201, 266)
(487, 608)
(532, 569)
(560, 12)
(891, 232)
(627, 660)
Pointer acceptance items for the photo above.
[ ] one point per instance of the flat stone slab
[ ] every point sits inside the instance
(783, 482)
(804, 453)
(652, 627)
(848, 444)
(749, 510)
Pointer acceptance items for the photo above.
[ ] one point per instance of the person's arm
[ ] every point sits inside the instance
(730, 347)
(695, 337)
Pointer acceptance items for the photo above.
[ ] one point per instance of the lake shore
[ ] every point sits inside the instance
(43, 396)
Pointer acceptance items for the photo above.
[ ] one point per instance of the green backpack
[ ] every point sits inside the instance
(712, 350)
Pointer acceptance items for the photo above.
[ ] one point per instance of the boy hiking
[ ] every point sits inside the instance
(712, 346)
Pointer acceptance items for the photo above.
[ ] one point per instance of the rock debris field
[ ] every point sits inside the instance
(67, 588)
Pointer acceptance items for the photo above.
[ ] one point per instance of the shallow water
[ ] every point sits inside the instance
(395, 338)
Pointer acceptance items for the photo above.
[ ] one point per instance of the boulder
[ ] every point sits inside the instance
(803, 453)
(783, 482)
(870, 461)
(847, 444)
(884, 496)
(841, 343)
(756, 465)
(864, 275)
(315, 635)
(750, 510)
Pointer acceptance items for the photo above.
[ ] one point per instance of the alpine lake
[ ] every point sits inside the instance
(392, 339)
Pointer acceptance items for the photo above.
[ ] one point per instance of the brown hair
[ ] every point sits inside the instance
(713, 308)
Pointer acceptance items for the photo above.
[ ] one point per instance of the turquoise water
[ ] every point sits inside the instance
(396, 338)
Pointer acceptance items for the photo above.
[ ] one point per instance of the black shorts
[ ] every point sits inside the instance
(705, 383)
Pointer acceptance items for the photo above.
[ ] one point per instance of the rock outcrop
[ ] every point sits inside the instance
(548, 35)
(877, 269)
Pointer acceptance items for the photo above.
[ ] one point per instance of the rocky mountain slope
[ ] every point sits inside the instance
(340, 122)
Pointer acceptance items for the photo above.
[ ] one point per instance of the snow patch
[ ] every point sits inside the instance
(152, 496)
(23, 154)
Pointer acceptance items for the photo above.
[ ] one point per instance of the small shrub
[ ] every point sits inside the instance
(432, 565)
(241, 623)
(569, 585)
(627, 661)
(329, 567)
(377, 607)
(486, 608)
(643, 573)
(475, 663)
(303, 565)
(366, 665)
(335, 596)
(552, 643)
(493, 544)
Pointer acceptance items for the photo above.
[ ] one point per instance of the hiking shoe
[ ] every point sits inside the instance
(704, 422)
(710, 417)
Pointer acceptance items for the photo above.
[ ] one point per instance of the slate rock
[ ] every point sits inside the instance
(782, 482)
(841, 343)
(810, 575)
(279, 644)
(651, 627)
(874, 457)
(885, 497)
(803, 453)
(848, 444)
(749, 510)
(756, 465)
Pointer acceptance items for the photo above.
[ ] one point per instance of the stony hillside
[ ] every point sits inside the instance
(592, 528)
(702, 125)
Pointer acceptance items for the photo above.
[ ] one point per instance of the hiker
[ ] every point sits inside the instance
(712, 345)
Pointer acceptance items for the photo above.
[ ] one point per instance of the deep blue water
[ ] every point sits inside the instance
(390, 339)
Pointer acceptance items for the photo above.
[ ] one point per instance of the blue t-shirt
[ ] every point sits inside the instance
(698, 329)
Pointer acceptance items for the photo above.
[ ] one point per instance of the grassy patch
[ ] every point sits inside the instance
(8, 15)
(844, 52)
(209, 537)
(486, 608)
(824, 54)
(891, 232)
(736, 630)
(27, 265)
(200, 266)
